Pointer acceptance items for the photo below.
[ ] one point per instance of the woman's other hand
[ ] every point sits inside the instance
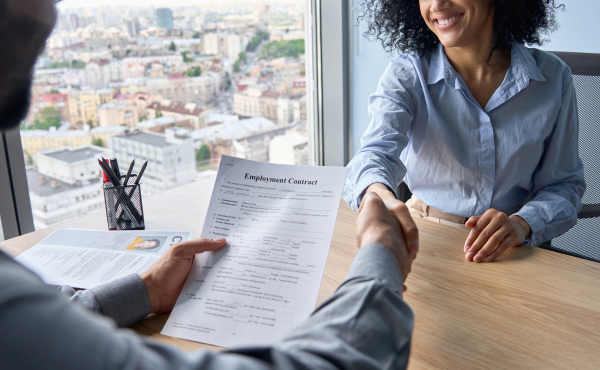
(492, 234)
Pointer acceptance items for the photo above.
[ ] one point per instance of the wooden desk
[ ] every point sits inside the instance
(532, 309)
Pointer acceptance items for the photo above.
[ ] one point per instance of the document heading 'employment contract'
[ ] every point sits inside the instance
(291, 180)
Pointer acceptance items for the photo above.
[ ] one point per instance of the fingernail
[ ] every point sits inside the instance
(414, 246)
(466, 248)
(470, 256)
(490, 258)
(220, 240)
(477, 257)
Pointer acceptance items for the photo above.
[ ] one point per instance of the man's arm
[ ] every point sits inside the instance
(365, 325)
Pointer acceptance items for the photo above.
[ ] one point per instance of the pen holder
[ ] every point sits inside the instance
(124, 210)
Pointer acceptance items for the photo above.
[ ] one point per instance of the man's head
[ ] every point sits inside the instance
(24, 27)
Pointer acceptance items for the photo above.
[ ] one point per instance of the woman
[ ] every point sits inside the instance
(473, 121)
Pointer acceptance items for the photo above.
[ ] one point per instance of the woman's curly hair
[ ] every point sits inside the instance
(399, 26)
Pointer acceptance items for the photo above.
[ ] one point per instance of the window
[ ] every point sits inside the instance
(80, 112)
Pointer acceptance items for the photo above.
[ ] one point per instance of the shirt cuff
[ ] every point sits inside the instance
(536, 224)
(375, 261)
(355, 197)
(125, 300)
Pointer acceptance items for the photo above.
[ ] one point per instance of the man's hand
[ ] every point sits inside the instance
(377, 225)
(401, 212)
(164, 280)
(492, 234)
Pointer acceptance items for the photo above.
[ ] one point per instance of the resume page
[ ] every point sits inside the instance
(278, 221)
(87, 258)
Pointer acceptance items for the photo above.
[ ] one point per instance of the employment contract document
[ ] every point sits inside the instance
(278, 221)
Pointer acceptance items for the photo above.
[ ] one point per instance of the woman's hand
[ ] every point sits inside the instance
(492, 234)
(165, 278)
(400, 211)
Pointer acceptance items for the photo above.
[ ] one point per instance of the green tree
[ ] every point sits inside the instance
(203, 153)
(186, 59)
(228, 84)
(236, 66)
(78, 64)
(143, 118)
(196, 35)
(158, 113)
(90, 123)
(283, 48)
(193, 72)
(172, 47)
(98, 142)
(48, 117)
(54, 91)
(242, 58)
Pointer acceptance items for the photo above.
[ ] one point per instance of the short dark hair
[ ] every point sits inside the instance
(399, 26)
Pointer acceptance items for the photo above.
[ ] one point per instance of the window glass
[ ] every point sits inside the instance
(178, 86)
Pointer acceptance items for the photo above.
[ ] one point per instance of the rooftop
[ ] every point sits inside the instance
(233, 129)
(146, 138)
(161, 121)
(74, 155)
(44, 186)
(188, 109)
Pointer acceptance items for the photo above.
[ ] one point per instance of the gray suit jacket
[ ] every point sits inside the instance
(364, 325)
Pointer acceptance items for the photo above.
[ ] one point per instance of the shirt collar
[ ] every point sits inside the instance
(522, 64)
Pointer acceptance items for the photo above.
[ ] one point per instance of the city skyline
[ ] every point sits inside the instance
(74, 4)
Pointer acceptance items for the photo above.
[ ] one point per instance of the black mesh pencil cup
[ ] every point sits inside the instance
(124, 210)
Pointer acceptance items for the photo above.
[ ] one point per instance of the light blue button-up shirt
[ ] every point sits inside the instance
(427, 129)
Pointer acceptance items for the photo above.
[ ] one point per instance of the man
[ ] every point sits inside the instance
(365, 325)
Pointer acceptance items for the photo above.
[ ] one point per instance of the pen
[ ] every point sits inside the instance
(114, 164)
(139, 176)
(129, 172)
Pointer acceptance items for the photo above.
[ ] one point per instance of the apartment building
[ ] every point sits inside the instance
(119, 113)
(171, 157)
(40, 102)
(65, 184)
(183, 89)
(167, 108)
(246, 103)
(83, 105)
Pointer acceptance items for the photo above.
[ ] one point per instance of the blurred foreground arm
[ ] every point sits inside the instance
(364, 325)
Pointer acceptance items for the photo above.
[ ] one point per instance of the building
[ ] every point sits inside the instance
(246, 103)
(262, 17)
(234, 46)
(164, 18)
(268, 105)
(290, 148)
(83, 105)
(182, 89)
(59, 102)
(133, 27)
(99, 73)
(255, 146)
(105, 132)
(136, 66)
(171, 157)
(65, 185)
(211, 119)
(211, 44)
(161, 124)
(166, 108)
(291, 108)
(120, 113)
(230, 129)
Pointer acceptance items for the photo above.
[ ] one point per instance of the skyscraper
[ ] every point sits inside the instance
(133, 27)
(164, 18)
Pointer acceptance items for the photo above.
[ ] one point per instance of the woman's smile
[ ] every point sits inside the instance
(447, 21)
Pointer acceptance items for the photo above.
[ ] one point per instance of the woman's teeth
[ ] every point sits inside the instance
(446, 21)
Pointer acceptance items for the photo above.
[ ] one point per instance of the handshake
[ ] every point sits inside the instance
(377, 223)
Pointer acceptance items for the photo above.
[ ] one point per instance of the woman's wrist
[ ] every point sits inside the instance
(382, 190)
(523, 224)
